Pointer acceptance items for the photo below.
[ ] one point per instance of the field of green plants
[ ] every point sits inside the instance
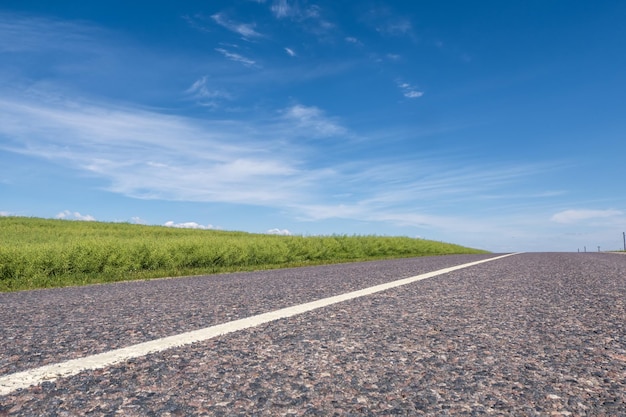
(43, 253)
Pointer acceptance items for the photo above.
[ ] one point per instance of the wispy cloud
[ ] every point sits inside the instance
(290, 52)
(236, 57)
(408, 90)
(20, 33)
(397, 27)
(148, 155)
(309, 17)
(383, 190)
(246, 30)
(581, 215)
(282, 232)
(189, 225)
(155, 156)
(402, 217)
(388, 23)
(204, 95)
(413, 94)
(74, 215)
(283, 8)
(196, 22)
(314, 119)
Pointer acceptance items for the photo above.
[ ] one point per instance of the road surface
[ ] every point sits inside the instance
(528, 334)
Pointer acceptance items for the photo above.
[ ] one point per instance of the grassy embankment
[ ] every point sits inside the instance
(41, 253)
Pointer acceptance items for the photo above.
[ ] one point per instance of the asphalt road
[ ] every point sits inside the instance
(529, 334)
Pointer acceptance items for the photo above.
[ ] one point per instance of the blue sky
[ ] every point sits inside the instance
(498, 125)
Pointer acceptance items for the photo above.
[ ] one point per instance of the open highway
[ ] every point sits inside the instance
(533, 334)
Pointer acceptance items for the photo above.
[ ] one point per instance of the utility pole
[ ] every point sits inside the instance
(624, 235)
(598, 248)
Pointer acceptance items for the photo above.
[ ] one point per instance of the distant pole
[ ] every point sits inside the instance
(624, 234)
(598, 248)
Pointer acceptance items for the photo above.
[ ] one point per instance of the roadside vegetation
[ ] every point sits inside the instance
(44, 253)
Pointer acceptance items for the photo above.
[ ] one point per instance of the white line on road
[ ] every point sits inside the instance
(25, 379)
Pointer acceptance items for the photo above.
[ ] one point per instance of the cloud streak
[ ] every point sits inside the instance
(388, 23)
(582, 215)
(308, 17)
(246, 30)
(237, 57)
(409, 91)
(201, 92)
(281, 232)
(31, 34)
(189, 225)
(74, 215)
(151, 155)
(148, 155)
(282, 9)
(314, 120)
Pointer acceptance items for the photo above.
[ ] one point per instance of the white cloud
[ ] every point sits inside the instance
(575, 216)
(5, 214)
(200, 89)
(282, 8)
(290, 52)
(150, 155)
(397, 27)
(409, 91)
(246, 30)
(195, 22)
(308, 18)
(389, 23)
(369, 211)
(311, 117)
(74, 215)
(18, 34)
(417, 193)
(236, 57)
(189, 225)
(282, 232)
(205, 96)
(413, 94)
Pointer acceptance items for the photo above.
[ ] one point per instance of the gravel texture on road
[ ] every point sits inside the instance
(48, 326)
(528, 335)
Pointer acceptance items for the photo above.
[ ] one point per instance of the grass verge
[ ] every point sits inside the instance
(43, 253)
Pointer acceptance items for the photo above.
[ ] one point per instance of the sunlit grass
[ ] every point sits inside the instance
(42, 253)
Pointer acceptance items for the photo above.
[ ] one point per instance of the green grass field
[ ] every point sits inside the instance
(43, 253)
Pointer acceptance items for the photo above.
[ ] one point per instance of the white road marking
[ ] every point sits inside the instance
(13, 382)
